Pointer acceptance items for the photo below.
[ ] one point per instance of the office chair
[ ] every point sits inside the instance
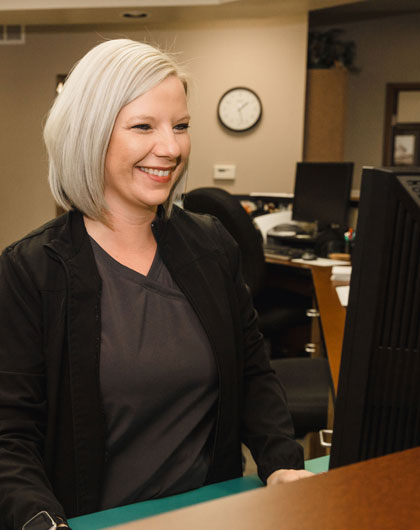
(306, 380)
(276, 312)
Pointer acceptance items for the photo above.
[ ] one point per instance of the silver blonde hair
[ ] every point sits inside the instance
(81, 120)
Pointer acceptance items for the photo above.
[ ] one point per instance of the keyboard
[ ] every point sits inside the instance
(285, 252)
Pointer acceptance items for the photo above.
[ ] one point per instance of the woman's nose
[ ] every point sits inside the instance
(167, 145)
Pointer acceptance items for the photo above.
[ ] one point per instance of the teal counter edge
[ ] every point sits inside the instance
(140, 510)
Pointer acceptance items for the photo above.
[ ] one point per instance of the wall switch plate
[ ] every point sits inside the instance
(224, 171)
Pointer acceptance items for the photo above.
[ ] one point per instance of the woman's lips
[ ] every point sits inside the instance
(161, 175)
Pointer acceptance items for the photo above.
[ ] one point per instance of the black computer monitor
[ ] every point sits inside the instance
(322, 193)
(377, 409)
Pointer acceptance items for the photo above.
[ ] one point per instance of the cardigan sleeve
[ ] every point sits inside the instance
(266, 425)
(24, 486)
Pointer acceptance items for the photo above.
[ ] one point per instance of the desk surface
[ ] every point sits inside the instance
(383, 493)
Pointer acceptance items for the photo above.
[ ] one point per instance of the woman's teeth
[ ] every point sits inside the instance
(156, 172)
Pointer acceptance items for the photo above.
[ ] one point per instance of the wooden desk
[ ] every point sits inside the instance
(295, 277)
(333, 315)
(382, 493)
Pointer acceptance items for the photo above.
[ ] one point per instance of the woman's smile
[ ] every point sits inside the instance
(158, 174)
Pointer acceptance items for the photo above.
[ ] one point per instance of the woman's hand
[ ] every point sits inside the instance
(281, 476)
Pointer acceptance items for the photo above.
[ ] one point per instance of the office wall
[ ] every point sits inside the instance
(266, 55)
(387, 52)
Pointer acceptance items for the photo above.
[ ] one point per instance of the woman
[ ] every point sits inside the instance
(131, 366)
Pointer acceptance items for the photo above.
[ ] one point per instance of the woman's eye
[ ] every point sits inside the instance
(142, 127)
(181, 126)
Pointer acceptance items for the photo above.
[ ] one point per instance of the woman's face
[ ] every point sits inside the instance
(148, 149)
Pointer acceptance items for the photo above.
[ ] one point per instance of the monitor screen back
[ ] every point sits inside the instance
(377, 409)
(322, 192)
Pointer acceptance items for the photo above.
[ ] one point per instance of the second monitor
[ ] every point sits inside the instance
(322, 193)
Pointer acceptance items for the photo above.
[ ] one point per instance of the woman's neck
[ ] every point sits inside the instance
(129, 240)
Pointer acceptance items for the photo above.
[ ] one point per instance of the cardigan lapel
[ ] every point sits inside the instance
(84, 338)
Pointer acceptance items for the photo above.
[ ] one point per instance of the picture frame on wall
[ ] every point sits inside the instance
(397, 125)
(405, 146)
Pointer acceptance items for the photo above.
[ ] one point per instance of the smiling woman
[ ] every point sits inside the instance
(109, 77)
(131, 366)
(146, 156)
(148, 150)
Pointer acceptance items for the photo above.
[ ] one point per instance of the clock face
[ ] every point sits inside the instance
(239, 109)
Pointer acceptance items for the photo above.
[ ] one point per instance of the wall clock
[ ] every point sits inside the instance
(239, 109)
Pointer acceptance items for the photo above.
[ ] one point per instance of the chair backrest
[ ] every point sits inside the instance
(232, 215)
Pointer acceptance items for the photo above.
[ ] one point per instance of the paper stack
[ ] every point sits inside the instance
(341, 273)
(343, 294)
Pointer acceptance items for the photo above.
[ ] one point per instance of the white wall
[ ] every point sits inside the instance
(268, 56)
(388, 51)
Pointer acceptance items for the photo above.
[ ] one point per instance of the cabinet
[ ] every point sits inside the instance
(325, 115)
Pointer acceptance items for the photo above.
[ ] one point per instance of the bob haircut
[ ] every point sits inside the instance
(79, 125)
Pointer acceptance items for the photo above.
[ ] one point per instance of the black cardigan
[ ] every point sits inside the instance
(52, 426)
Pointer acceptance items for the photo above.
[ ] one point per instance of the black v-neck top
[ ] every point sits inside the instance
(159, 384)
